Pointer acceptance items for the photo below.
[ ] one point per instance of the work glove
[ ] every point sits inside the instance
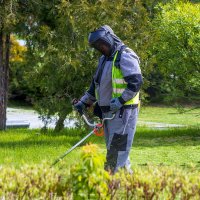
(115, 104)
(79, 106)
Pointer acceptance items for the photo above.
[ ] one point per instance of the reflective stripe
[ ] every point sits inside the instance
(119, 80)
(118, 90)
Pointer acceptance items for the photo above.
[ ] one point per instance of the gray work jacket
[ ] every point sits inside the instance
(129, 65)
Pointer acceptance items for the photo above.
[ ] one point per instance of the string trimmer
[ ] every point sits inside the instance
(97, 130)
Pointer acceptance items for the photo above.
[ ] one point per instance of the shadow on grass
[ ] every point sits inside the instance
(170, 137)
(144, 138)
(41, 143)
(147, 133)
(34, 138)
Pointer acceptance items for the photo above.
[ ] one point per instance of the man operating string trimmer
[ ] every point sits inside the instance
(115, 87)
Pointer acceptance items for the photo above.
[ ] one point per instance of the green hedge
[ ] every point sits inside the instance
(88, 180)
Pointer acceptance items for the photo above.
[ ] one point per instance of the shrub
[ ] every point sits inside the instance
(30, 182)
(88, 180)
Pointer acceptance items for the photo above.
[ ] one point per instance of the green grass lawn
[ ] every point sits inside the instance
(20, 146)
(179, 147)
(170, 115)
(167, 147)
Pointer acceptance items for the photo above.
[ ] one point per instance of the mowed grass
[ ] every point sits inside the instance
(179, 147)
(167, 147)
(170, 115)
(20, 146)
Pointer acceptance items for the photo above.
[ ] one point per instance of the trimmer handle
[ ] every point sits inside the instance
(80, 111)
(74, 101)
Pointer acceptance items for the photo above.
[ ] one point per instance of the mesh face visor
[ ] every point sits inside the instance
(95, 35)
(99, 36)
(98, 45)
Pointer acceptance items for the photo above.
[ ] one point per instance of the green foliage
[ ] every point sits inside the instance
(88, 180)
(29, 182)
(160, 183)
(59, 64)
(62, 63)
(176, 52)
(18, 87)
(9, 15)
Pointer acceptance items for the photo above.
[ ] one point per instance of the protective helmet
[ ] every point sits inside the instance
(100, 35)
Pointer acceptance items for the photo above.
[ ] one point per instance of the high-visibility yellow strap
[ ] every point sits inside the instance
(119, 84)
(134, 100)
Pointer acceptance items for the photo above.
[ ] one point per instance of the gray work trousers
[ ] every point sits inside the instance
(119, 134)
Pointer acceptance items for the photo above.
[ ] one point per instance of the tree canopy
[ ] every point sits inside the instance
(176, 51)
(58, 64)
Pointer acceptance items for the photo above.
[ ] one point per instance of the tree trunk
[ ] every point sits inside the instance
(4, 74)
(60, 122)
(2, 85)
(7, 66)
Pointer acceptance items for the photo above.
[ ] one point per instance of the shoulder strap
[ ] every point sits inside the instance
(117, 61)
